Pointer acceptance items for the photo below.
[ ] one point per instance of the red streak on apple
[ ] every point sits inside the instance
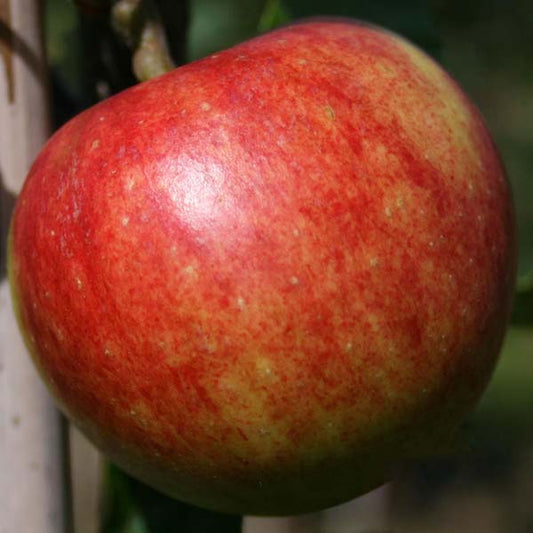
(262, 281)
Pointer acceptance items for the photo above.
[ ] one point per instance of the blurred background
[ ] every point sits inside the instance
(485, 485)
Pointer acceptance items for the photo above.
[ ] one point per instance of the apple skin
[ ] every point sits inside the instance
(264, 280)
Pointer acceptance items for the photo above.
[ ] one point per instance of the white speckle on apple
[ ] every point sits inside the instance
(374, 261)
(95, 144)
(294, 280)
(302, 61)
(349, 347)
(241, 303)
(263, 367)
(59, 333)
(400, 202)
(125, 220)
(205, 106)
(210, 346)
(52, 233)
(296, 232)
(79, 283)
(431, 244)
(190, 270)
(330, 112)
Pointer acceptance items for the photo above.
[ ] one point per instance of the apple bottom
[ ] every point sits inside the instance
(281, 491)
(310, 484)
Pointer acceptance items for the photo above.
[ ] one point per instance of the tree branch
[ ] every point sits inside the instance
(139, 24)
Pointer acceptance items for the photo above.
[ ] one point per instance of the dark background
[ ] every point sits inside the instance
(486, 484)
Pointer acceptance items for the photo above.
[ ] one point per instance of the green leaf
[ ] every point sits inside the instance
(274, 14)
(509, 397)
(121, 513)
(525, 283)
(136, 524)
(523, 304)
(63, 44)
(412, 18)
(219, 24)
(133, 507)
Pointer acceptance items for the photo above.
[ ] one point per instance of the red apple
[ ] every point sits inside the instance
(262, 281)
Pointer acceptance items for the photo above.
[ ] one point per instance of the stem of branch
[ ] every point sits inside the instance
(139, 24)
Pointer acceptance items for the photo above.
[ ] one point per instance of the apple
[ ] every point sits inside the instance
(264, 280)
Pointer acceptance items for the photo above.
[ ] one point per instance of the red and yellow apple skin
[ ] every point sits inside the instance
(262, 281)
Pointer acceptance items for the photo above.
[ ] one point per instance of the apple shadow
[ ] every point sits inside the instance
(7, 204)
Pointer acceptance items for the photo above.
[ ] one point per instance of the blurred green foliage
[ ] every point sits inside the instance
(487, 47)
(132, 507)
(63, 45)
(217, 24)
(274, 14)
(523, 305)
(509, 398)
(411, 18)
(121, 512)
